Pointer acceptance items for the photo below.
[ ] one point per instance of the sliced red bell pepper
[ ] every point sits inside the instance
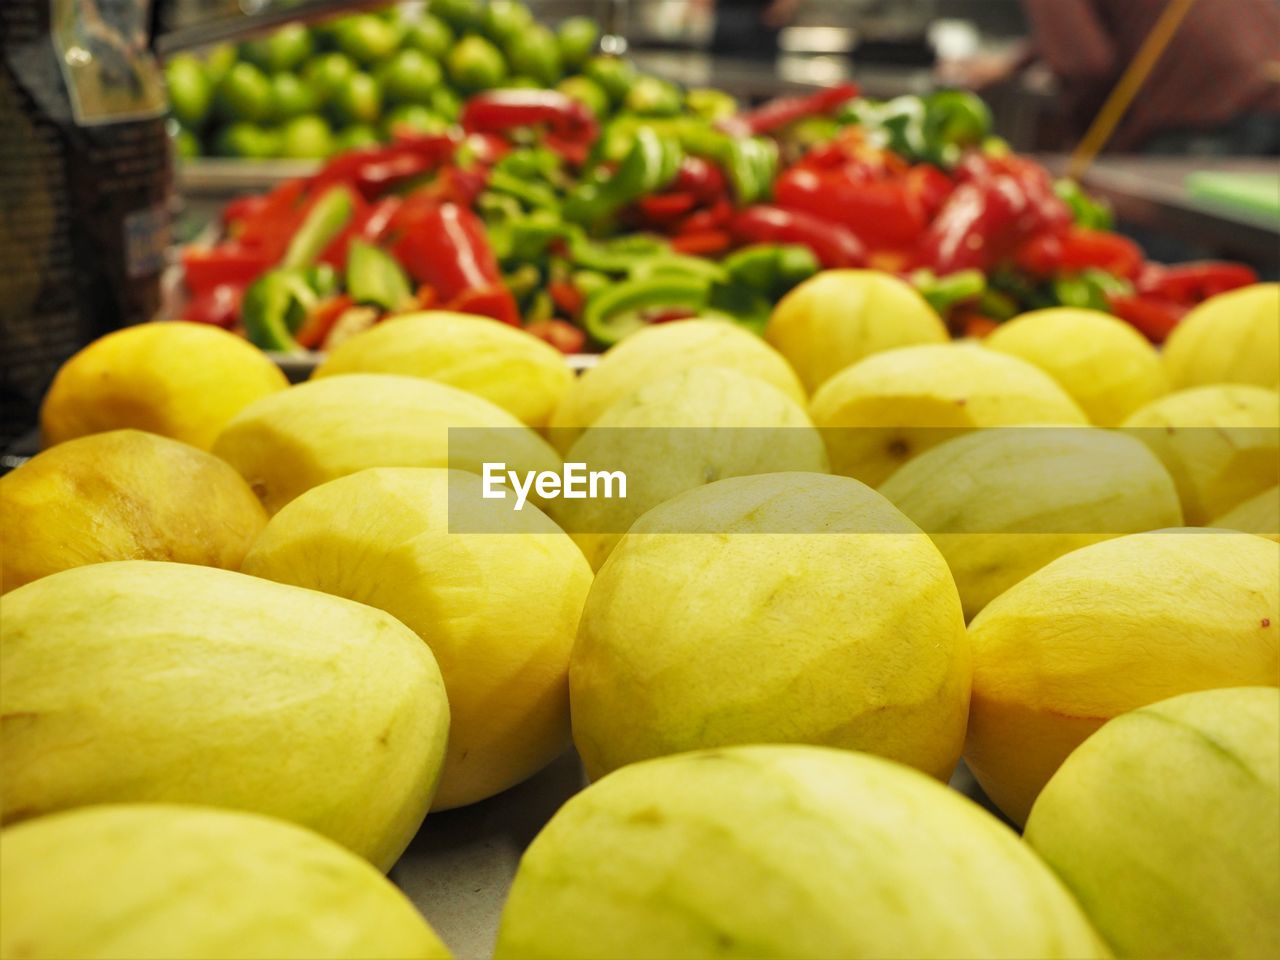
(664, 209)
(701, 178)
(501, 111)
(564, 336)
(493, 300)
(205, 268)
(833, 245)
(881, 213)
(566, 297)
(317, 324)
(1152, 317)
(712, 218)
(1191, 283)
(779, 112)
(1077, 249)
(703, 243)
(444, 245)
(219, 306)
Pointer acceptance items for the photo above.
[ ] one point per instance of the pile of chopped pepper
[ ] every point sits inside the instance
(533, 213)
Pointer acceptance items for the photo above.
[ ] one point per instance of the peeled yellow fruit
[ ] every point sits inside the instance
(165, 882)
(1260, 515)
(1220, 444)
(148, 681)
(1001, 503)
(498, 610)
(180, 380)
(838, 317)
(783, 852)
(507, 366)
(680, 432)
(123, 495)
(324, 429)
(1109, 628)
(789, 607)
(878, 414)
(659, 351)
(1103, 363)
(1165, 824)
(1231, 338)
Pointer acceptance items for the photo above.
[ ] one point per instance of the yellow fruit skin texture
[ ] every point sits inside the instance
(659, 351)
(1231, 338)
(1164, 825)
(514, 370)
(329, 428)
(144, 681)
(1260, 515)
(123, 495)
(1220, 444)
(795, 608)
(499, 611)
(681, 432)
(838, 317)
(879, 413)
(163, 882)
(783, 852)
(1103, 363)
(1002, 503)
(180, 380)
(1108, 629)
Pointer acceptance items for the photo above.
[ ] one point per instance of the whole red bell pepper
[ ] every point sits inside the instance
(779, 112)
(444, 245)
(834, 245)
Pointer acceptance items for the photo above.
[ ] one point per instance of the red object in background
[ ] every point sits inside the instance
(501, 111)
(1192, 283)
(229, 263)
(219, 306)
(781, 111)
(833, 245)
(564, 336)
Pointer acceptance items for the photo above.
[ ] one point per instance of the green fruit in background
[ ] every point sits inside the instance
(247, 140)
(367, 39)
(190, 91)
(614, 75)
(185, 143)
(290, 97)
(476, 64)
(504, 20)
(355, 136)
(711, 104)
(284, 49)
(327, 74)
(535, 53)
(586, 91)
(524, 83)
(461, 15)
(410, 77)
(430, 35)
(577, 38)
(359, 100)
(1163, 824)
(446, 103)
(218, 60)
(652, 97)
(306, 137)
(244, 94)
(414, 117)
(782, 851)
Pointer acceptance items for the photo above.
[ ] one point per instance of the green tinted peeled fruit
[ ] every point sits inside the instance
(1107, 629)
(782, 852)
(333, 426)
(1001, 503)
(1164, 826)
(143, 681)
(167, 882)
(498, 610)
(787, 607)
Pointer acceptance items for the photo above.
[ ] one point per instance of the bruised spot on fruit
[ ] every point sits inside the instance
(899, 449)
(259, 488)
(649, 816)
(961, 401)
(1266, 622)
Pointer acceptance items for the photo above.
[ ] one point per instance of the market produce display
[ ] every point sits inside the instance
(618, 200)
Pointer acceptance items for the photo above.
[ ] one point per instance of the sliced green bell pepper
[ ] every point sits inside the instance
(326, 219)
(376, 277)
(618, 310)
(275, 304)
